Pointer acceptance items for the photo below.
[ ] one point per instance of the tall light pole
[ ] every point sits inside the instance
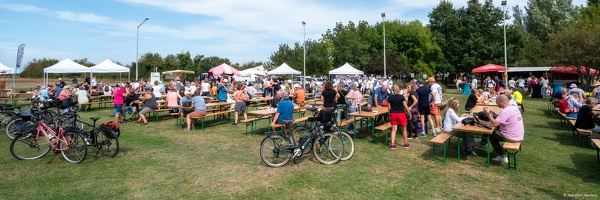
(384, 61)
(304, 49)
(505, 57)
(137, 46)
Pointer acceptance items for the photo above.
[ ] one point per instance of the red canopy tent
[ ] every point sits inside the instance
(223, 69)
(572, 70)
(488, 68)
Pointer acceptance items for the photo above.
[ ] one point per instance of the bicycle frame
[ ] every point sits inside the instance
(42, 128)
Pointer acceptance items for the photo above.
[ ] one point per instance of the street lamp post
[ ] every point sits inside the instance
(384, 61)
(304, 49)
(137, 46)
(505, 56)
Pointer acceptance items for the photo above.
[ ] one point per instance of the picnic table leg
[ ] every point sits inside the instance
(488, 150)
(458, 142)
(373, 128)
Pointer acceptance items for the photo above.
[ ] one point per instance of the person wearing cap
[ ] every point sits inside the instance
(424, 105)
(149, 105)
(222, 90)
(299, 93)
(437, 95)
(118, 97)
(578, 90)
(199, 109)
(573, 104)
(61, 83)
(130, 104)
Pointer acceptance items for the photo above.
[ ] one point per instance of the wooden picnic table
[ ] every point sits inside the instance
(494, 109)
(269, 113)
(489, 104)
(259, 100)
(474, 129)
(371, 115)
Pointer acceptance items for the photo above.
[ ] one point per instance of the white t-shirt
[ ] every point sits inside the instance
(521, 82)
(156, 91)
(450, 120)
(135, 85)
(205, 87)
(511, 83)
(437, 89)
(474, 84)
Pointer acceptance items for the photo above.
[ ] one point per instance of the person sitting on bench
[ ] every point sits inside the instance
(585, 117)
(199, 109)
(511, 126)
(285, 109)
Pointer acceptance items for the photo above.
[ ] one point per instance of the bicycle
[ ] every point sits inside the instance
(28, 145)
(16, 123)
(102, 137)
(277, 148)
(304, 129)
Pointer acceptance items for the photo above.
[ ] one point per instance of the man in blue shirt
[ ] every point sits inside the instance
(380, 94)
(222, 90)
(44, 94)
(57, 91)
(285, 110)
(199, 109)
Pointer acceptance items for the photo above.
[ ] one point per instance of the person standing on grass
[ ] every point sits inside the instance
(424, 105)
(398, 108)
(240, 104)
(412, 102)
(450, 119)
(436, 92)
(118, 97)
(157, 90)
(474, 83)
(150, 105)
(356, 97)
(222, 90)
(199, 109)
(511, 126)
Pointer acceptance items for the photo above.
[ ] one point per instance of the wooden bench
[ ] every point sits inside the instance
(440, 140)
(512, 148)
(583, 134)
(213, 114)
(572, 126)
(252, 123)
(155, 112)
(597, 143)
(107, 102)
(297, 120)
(382, 128)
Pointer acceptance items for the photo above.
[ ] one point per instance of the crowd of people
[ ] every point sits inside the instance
(496, 85)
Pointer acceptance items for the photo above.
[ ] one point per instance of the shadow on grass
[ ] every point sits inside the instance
(582, 165)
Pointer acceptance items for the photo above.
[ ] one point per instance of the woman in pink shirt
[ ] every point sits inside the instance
(173, 99)
(118, 97)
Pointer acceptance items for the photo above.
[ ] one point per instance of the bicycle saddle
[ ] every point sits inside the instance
(94, 118)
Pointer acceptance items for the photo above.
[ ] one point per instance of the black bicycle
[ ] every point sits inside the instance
(277, 148)
(103, 137)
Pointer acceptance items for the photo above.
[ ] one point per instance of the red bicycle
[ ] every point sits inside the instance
(29, 144)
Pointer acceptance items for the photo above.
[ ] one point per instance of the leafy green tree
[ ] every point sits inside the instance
(185, 61)
(35, 66)
(542, 17)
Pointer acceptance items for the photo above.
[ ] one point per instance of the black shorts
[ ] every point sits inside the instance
(424, 110)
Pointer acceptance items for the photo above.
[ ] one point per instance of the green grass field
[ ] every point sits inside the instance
(161, 161)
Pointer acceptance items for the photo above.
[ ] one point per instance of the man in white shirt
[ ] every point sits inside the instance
(512, 82)
(521, 83)
(135, 84)
(205, 88)
(474, 83)
(437, 94)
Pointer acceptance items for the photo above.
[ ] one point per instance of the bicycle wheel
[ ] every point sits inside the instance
(328, 149)
(29, 146)
(16, 126)
(271, 151)
(48, 117)
(299, 133)
(348, 144)
(75, 149)
(108, 146)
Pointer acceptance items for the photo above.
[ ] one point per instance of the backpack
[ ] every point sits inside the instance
(106, 88)
(111, 129)
(563, 106)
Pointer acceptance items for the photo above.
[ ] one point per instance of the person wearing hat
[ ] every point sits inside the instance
(595, 92)
(118, 97)
(149, 105)
(222, 90)
(576, 89)
(424, 105)
(299, 93)
(436, 91)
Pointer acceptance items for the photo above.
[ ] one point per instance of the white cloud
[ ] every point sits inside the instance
(82, 17)
(21, 7)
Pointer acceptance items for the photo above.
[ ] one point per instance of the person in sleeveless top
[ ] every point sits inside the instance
(150, 105)
(240, 104)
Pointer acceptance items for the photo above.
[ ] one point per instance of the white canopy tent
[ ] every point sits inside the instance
(283, 69)
(65, 66)
(5, 70)
(108, 66)
(249, 74)
(346, 69)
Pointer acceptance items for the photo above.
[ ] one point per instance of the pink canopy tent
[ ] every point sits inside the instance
(223, 69)
(572, 70)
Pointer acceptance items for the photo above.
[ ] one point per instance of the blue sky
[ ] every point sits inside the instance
(236, 29)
